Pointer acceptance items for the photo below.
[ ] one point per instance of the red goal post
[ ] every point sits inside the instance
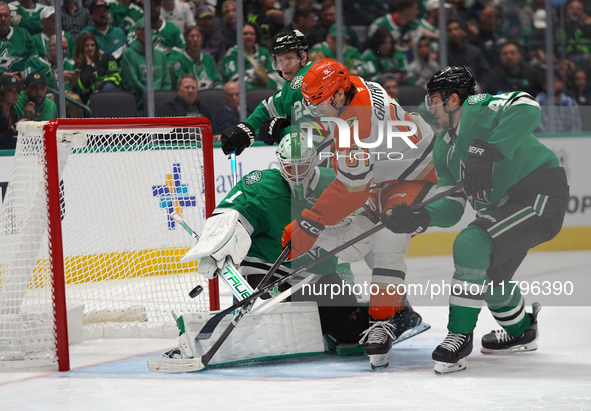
(110, 244)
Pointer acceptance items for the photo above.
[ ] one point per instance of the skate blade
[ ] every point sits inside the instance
(421, 328)
(447, 367)
(379, 361)
(532, 346)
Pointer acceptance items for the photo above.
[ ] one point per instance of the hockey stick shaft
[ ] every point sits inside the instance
(208, 328)
(177, 218)
(206, 358)
(233, 168)
(229, 273)
(203, 334)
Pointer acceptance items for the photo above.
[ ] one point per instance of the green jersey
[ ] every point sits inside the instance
(29, 18)
(401, 34)
(265, 204)
(377, 66)
(112, 42)
(46, 111)
(49, 70)
(133, 70)
(203, 67)
(282, 102)
(351, 55)
(15, 49)
(125, 16)
(41, 44)
(505, 121)
(261, 55)
(164, 38)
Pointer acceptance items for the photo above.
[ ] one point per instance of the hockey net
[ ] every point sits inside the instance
(87, 236)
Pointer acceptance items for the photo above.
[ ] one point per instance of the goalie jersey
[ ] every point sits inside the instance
(505, 121)
(265, 204)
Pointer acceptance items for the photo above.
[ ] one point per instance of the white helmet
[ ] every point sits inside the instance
(296, 163)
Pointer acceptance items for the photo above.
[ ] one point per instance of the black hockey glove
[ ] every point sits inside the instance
(237, 138)
(478, 179)
(400, 219)
(270, 131)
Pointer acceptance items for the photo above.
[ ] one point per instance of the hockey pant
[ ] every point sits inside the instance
(488, 252)
(386, 257)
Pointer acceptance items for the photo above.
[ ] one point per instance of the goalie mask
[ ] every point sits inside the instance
(296, 163)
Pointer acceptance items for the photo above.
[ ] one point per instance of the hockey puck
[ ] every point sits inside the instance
(195, 291)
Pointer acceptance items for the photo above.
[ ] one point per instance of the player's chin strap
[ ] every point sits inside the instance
(452, 130)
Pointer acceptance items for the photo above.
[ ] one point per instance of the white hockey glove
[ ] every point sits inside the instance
(223, 236)
(337, 235)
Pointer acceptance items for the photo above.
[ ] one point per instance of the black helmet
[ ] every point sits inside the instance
(287, 42)
(452, 79)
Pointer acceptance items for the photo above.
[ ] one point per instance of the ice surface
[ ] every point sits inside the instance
(112, 374)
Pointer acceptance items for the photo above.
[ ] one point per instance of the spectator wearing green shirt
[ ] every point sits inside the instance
(165, 35)
(25, 14)
(16, 45)
(48, 67)
(259, 72)
(41, 40)
(133, 67)
(194, 60)
(381, 57)
(33, 103)
(125, 14)
(327, 49)
(110, 39)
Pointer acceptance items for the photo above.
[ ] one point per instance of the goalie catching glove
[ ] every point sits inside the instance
(271, 132)
(223, 237)
(400, 219)
(303, 233)
(237, 138)
(478, 179)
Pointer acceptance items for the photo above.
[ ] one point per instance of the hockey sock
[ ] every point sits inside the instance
(507, 305)
(471, 250)
(387, 300)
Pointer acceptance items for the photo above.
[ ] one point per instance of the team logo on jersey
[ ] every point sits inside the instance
(476, 98)
(351, 121)
(253, 178)
(296, 82)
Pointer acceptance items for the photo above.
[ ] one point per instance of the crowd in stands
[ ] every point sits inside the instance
(395, 42)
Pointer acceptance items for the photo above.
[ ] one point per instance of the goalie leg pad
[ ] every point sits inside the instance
(222, 236)
(286, 329)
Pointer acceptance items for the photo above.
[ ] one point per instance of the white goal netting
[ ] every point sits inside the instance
(121, 247)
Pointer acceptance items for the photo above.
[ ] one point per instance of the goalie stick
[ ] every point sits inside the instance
(170, 365)
(210, 325)
(228, 273)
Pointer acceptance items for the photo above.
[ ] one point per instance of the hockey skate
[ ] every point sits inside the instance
(500, 342)
(450, 355)
(381, 334)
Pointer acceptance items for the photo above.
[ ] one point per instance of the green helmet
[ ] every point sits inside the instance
(296, 163)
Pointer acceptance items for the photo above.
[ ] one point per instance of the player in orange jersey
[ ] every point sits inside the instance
(382, 157)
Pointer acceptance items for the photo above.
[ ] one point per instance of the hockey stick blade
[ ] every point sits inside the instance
(172, 365)
(214, 321)
(208, 328)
